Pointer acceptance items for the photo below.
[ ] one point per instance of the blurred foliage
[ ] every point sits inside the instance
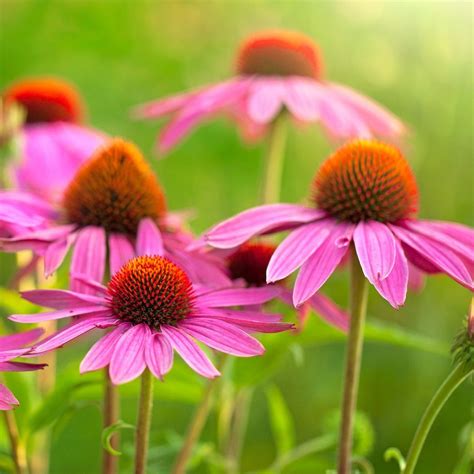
(413, 57)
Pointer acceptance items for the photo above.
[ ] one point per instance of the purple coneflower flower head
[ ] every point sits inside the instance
(365, 194)
(153, 309)
(11, 347)
(113, 204)
(275, 71)
(53, 140)
(247, 266)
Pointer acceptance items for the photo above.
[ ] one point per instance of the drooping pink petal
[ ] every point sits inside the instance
(301, 100)
(159, 108)
(436, 253)
(376, 249)
(394, 287)
(73, 331)
(265, 99)
(458, 238)
(258, 324)
(20, 367)
(149, 239)
(191, 353)
(94, 286)
(238, 296)
(88, 257)
(60, 314)
(100, 353)
(61, 299)
(128, 358)
(120, 251)
(55, 254)
(329, 311)
(295, 250)
(158, 355)
(20, 339)
(222, 336)
(6, 355)
(258, 220)
(378, 119)
(416, 278)
(7, 399)
(320, 266)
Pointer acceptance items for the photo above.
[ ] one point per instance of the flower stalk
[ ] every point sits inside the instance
(144, 421)
(18, 451)
(358, 310)
(274, 157)
(111, 407)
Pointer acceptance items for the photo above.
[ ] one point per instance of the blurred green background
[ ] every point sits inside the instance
(413, 57)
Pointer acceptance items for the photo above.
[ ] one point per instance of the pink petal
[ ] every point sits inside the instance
(258, 220)
(149, 239)
(59, 314)
(459, 232)
(73, 331)
(158, 355)
(416, 278)
(165, 106)
(295, 250)
(436, 253)
(375, 246)
(238, 296)
(120, 251)
(301, 100)
(330, 311)
(94, 286)
(191, 353)
(55, 254)
(7, 399)
(100, 353)
(20, 367)
(320, 266)
(128, 358)
(394, 287)
(20, 339)
(88, 257)
(265, 99)
(61, 299)
(222, 336)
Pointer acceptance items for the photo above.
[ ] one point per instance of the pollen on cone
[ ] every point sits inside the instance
(279, 53)
(151, 290)
(46, 100)
(115, 190)
(366, 180)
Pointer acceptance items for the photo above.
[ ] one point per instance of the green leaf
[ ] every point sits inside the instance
(395, 454)
(56, 404)
(281, 420)
(109, 431)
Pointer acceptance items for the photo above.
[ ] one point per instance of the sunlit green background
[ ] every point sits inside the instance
(413, 57)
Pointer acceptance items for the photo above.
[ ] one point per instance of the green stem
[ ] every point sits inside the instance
(197, 423)
(454, 379)
(111, 407)
(144, 421)
(273, 166)
(18, 451)
(358, 309)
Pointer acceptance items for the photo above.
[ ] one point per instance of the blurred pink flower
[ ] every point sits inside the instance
(113, 206)
(275, 71)
(364, 194)
(153, 308)
(53, 141)
(12, 347)
(247, 265)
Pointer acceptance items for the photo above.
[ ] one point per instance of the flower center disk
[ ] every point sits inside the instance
(115, 190)
(46, 100)
(151, 290)
(280, 53)
(366, 180)
(250, 263)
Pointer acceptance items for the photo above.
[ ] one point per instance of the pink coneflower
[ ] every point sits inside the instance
(53, 140)
(11, 347)
(112, 208)
(365, 194)
(274, 71)
(247, 266)
(153, 308)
